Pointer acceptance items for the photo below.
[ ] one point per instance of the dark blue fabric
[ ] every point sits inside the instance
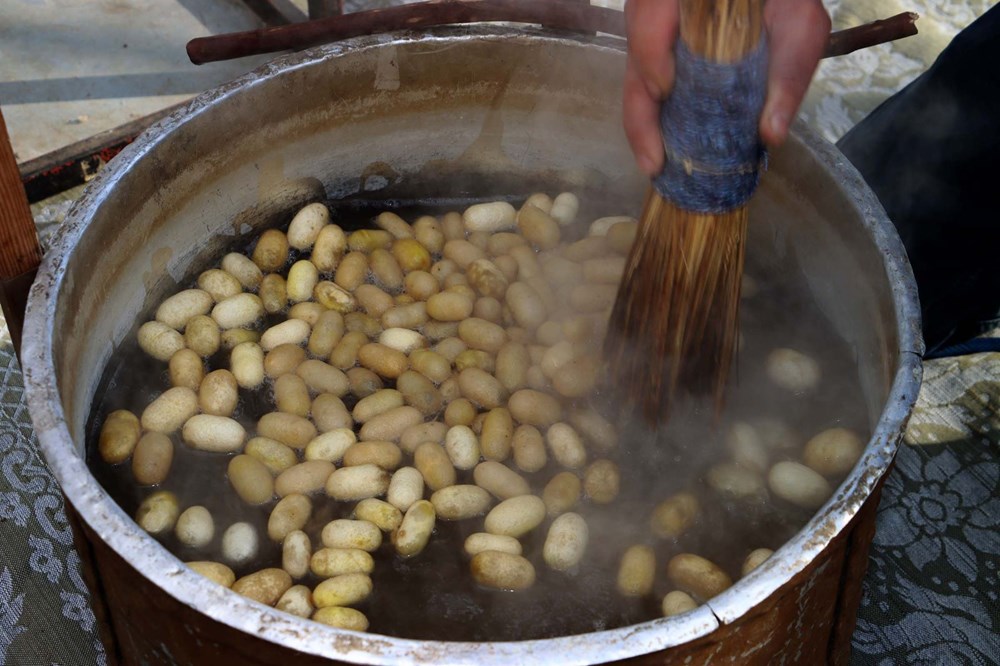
(709, 122)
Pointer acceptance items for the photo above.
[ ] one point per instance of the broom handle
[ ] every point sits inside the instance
(722, 30)
(20, 253)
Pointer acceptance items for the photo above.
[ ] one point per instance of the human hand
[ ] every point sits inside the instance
(797, 32)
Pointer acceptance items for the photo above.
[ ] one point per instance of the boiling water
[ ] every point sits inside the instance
(433, 595)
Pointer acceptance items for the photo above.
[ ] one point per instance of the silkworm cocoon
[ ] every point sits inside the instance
(564, 208)
(350, 274)
(307, 311)
(512, 363)
(402, 340)
(276, 456)
(202, 335)
(243, 269)
(186, 369)
(411, 255)
(601, 481)
(330, 445)
(251, 480)
(450, 306)
(500, 480)
(483, 541)
(307, 224)
(368, 240)
(218, 393)
(265, 586)
(798, 484)
(600, 226)
(382, 360)
(413, 533)
(333, 295)
(677, 602)
(159, 340)
(516, 516)
(346, 533)
(330, 245)
(119, 436)
(303, 277)
(429, 232)
(357, 483)
(296, 553)
(290, 514)
(419, 392)
(406, 487)
(152, 458)
(341, 618)
(697, 576)
(220, 284)
(833, 452)
(320, 377)
(621, 236)
(289, 429)
(734, 482)
(288, 332)
(435, 466)
(409, 315)
(481, 334)
(540, 228)
(755, 559)
(273, 293)
(475, 358)
(239, 311)
(566, 446)
(382, 514)
(304, 478)
(590, 247)
(460, 502)
(330, 562)
(178, 309)
(526, 305)
(486, 278)
(246, 362)
(748, 451)
(296, 600)
(415, 435)
(362, 382)
(452, 226)
(168, 412)
(345, 354)
(792, 370)
(214, 571)
(535, 408)
(503, 571)
(561, 493)
(240, 543)
(387, 271)
(326, 333)
(283, 359)
(158, 513)
(489, 217)
(271, 251)
(386, 455)
(673, 516)
(481, 388)
(195, 527)
(566, 542)
(390, 425)
(330, 413)
(636, 571)
(462, 447)
(528, 447)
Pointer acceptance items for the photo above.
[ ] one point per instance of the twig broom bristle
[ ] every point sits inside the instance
(674, 325)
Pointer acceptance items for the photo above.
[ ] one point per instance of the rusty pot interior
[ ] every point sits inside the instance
(447, 114)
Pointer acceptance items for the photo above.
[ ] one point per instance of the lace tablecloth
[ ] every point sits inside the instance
(931, 592)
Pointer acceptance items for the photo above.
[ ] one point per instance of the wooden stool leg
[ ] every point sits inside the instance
(20, 253)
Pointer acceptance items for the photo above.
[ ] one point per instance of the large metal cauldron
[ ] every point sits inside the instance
(470, 110)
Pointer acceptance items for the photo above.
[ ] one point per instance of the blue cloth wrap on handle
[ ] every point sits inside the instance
(709, 121)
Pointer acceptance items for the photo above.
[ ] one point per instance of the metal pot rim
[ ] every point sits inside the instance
(163, 569)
